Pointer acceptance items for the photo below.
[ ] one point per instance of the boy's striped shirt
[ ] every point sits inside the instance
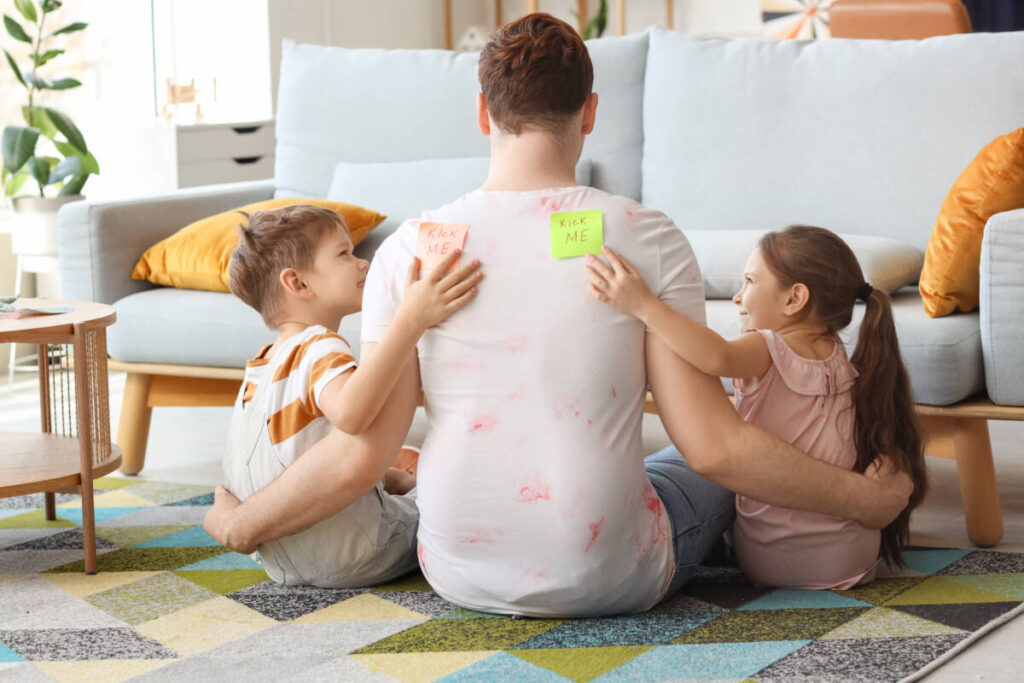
(298, 373)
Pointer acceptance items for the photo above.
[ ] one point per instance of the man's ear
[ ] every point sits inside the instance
(589, 113)
(293, 283)
(483, 119)
(796, 299)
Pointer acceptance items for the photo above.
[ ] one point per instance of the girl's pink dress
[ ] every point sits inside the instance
(809, 404)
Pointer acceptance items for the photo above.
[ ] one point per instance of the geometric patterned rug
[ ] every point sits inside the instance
(171, 604)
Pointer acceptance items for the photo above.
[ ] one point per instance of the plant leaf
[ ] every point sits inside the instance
(70, 28)
(27, 9)
(39, 167)
(51, 5)
(45, 57)
(16, 31)
(41, 120)
(66, 148)
(14, 67)
(68, 129)
(64, 84)
(65, 167)
(15, 183)
(89, 164)
(37, 81)
(74, 184)
(18, 144)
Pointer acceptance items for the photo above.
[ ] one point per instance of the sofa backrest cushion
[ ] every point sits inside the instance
(337, 104)
(859, 137)
(887, 264)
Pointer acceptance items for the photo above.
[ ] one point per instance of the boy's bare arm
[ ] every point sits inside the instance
(332, 474)
(352, 401)
(740, 457)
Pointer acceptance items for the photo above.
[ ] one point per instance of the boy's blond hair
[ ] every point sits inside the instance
(270, 241)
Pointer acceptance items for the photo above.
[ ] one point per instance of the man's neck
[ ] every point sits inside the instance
(529, 161)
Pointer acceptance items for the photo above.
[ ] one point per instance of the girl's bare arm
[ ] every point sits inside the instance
(618, 284)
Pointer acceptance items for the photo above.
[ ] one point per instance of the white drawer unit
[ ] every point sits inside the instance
(162, 158)
(224, 153)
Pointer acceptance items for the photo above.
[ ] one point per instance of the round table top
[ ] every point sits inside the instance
(82, 312)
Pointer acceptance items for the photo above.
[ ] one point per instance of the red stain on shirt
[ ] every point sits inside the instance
(532, 491)
(590, 422)
(641, 551)
(516, 342)
(543, 201)
(423, 562)
(483, 423)
(519, 393)
(654, 506)
(567, 409)
(629, 213)
(478, 537)
(614, 393)
(464, 368)
(538, 575)
(595, 531)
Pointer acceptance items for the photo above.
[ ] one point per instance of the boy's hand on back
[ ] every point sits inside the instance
(431, 300)
(618, 284)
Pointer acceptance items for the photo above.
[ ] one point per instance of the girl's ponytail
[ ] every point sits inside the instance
(885, 423)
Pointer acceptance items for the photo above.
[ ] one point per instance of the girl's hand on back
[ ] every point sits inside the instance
(617, 283)
(432, 299)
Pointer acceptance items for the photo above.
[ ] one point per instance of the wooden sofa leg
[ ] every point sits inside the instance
(133, 428)
(977, 477)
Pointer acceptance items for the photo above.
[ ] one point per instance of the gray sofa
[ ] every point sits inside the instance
(862, 137)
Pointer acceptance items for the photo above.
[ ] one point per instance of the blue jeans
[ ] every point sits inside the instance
(698, 510)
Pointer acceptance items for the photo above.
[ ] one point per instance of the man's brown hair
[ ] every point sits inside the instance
(270, 241)
(535, 72)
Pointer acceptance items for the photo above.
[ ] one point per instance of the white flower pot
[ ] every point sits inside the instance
(34, 224)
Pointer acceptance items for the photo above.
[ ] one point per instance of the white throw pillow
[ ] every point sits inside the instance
(404, 189)
(887, 264)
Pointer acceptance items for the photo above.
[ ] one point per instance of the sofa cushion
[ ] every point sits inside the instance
(943, 356)
(429, 112)
(858, 136)
(198, 255)
(191, 327)
(992, 183)
(887, 264)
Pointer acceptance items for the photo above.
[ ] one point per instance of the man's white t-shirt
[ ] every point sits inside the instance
(532, 491)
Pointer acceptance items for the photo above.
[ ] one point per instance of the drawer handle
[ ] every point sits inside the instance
(245, 130)
(246, 160)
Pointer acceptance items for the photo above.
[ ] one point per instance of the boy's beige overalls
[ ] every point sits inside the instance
(370, 542)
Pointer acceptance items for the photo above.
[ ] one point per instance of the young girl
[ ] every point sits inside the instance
(792, 378)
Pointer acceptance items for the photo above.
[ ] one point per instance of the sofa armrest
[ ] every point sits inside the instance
(1002, 307)
(99, 242)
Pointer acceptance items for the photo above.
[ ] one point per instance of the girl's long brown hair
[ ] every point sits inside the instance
(884, 410)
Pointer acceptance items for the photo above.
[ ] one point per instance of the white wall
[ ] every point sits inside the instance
(418, 24)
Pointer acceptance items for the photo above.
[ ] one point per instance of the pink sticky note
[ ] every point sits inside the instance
(438, 240)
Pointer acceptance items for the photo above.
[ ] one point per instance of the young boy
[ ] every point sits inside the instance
(296, 267)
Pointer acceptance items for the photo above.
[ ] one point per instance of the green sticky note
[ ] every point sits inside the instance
(575, 233)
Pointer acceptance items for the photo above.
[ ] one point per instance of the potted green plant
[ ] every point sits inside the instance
(49, 151)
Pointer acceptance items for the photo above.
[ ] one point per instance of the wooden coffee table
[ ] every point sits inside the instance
(74, 447)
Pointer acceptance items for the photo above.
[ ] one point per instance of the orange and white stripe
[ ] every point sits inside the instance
(298, 373)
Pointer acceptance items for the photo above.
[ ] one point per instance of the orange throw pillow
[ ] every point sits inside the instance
(197, 256)
(991, 184)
